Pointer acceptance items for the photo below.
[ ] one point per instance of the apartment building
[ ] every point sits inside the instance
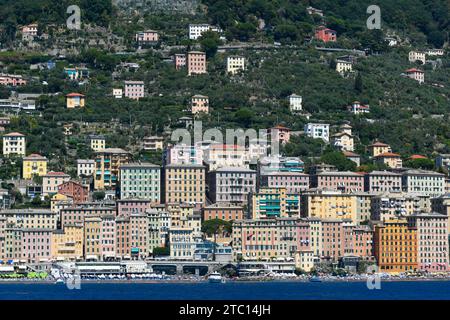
(14, 145)
(196, 62)
(231, 185)
(141, 181)
(107, 165)
(185, 183)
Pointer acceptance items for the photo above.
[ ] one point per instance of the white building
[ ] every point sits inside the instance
(416, 74)
(14, 144)
(118, 93)
(422, 182)
(295, 103)
(343, 66)
(358, 108)
(435, 52)
(85, 167)
(318, 131)
(196, 30)
(235, 64)
(417, 56)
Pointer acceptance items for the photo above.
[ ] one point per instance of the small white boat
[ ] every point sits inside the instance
(215, 277)
(59, 281)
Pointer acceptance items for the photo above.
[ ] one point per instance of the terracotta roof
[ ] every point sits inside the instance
(281, 127)
(70, 95)
(14, 134)
(35, 156)
(413, 70)
(379, 144)
(350, 154)
(417, 156)
(388, 155)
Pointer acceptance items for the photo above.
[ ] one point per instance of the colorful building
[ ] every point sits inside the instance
(140, 180)
(34, 164)
(345, 181)
(274, 202)
(329, 205)
(196, 62)
(51, 182)
(67, 244)
(185, 183)
(134, 89)
(395, 245)
(75, 100)
(108, 163)
(326, 35)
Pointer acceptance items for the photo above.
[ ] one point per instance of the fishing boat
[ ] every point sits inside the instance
(59, 281)
(215, 277)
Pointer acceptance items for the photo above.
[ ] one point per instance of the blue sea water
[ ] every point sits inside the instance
(407, 290)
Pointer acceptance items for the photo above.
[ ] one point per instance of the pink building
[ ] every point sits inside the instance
(335, 180)
(199, 104)
(32, 245)
(108, 237)
(281, 133)
(294, 182)
(134, 89)
(147, 37)
(432, 241)
(30, 30)
(382, 181)
(127, 207)
(196, 62)
(184, 154)
(362, 242)
(180, 60)
(333, 243)
(12, 80)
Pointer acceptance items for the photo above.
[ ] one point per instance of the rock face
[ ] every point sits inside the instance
(181, 6)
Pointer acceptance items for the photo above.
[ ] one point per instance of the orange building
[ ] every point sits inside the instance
(396, 246)
(325, 34)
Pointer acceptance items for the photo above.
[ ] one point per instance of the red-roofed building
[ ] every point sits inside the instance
(51, 181)
(282, 134)
(378, 147)
(325, 34)
(358, 108)
(75, 100)
(416, 74)
(416, 157)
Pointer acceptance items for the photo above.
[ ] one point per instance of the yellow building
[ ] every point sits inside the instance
(92, 237)
(34, 164)
(97, 143)
(378, 148)
(60, 201)
(68, 244)
(75, 100)
(185, 184)
(395, 246)
(30, 218)
(274, 202)
(392, 160)
(329, 205)
(107, 164)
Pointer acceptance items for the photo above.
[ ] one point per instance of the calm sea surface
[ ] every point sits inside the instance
(432, 290)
